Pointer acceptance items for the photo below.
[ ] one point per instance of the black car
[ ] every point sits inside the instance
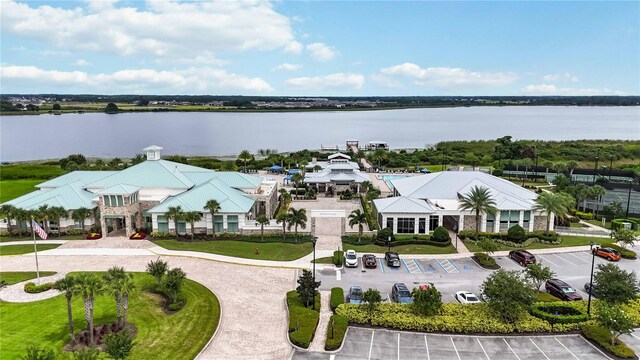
(392, 259)
(522, 257)
(561, 290)
(590, 289)
(369, 261)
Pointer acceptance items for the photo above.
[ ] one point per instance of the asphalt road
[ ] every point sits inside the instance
(450, 276)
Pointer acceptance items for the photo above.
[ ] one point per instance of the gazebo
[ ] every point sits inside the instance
(275, 169)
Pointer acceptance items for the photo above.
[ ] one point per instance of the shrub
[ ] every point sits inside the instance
(625, 253)
(384, 234)
(584, 216)
(35, 353)
(545, 297)
(338, 258)
(485, 260)
(353, 239)
(160, 235)
(118, 345)
(32, 288)
(337, 298)
(559, 312)
(336, 330)
(602, 337)
(516, 234)
(441, 235)
(302, 321)
(617, 223)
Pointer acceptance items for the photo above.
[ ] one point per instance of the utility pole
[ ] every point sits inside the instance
(595, 168)
(629, 198)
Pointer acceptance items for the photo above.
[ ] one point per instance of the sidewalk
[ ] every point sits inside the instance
(317, 345)
(30, 242)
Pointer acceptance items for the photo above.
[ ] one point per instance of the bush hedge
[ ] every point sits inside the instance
(337, 298)
(485, 260)
(441, 235)
(542, 296)
(32, 288)
(335, 337)
(302, 321)
(516, 234)
(559, 312)
(602, 337)
(625, 253)
(540, 235)
(338, 258)
(353, 239)
(617, 223)
(584, 215)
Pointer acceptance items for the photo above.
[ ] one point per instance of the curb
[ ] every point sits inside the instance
(206, 346)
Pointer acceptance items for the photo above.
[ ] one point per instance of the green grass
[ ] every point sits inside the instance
(324, 260)
(402, 249)
(11, 189)
(16, 277)
(52, 236)
(576, 225)
(242, 249)
(160, 336)
(607, 224)
(566, 241)
(24, 249)
(30, 171)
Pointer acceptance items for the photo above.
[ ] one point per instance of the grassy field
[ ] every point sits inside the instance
(30, 171)
(52, 236)
(324, 260)
(566, 241)
(11, 189)
(402, 249)
(242, 249)
(160, 336)
(12, 277)
(24, 249)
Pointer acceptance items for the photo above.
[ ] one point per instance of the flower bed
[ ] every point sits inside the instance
(601, 337)
(32, 288)
(560, 312)
(94, 236)
(336, 330)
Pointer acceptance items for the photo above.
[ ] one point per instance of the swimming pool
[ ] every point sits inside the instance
(387, 179)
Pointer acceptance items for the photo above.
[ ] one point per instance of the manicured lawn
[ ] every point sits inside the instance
(11, 189)
(52, 236)
(24, 249)
(402, 249)
(14, 277)
(566, 241)
(160, 336)
(607, 224)
(242, 249)
(324, 260)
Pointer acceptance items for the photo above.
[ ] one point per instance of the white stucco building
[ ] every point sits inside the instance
(339, 172)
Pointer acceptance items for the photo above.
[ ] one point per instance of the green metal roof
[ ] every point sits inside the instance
(231, 200)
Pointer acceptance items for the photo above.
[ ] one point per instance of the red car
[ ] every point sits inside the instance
(607, 253)
(94, 236)
(369, 261)
(137, 236)
(522, 257)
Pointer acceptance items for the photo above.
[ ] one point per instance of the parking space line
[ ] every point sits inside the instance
(371, 345)
(427, 346)
(579, 258)
(454, 347)
(405, 265)
(482, 347)
(447, 266)
(381, 265)
(635, 336)
(561, 258)
(398, 346)
(417, 265)
(338, 275)
(388, 298)
(566, 348)
(332, 357)
(510, 348)
(537, 347)
(551, 262)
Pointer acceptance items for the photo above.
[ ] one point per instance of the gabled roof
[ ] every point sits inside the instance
(328, 176)
(152, 147)
(70, 196)
(230, 200)
(403, 205)
(339, 154)
(151, 174)
(119, 189)
(86, 177)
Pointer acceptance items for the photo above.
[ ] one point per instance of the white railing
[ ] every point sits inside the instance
(582, 231)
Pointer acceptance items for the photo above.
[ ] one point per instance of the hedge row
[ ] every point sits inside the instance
(560, 312)
(617, 223)
(336, 330)
(542, 296)
(539, 235)
(302, 321)
(32, 288)
(485, 260)
(602, 337)
(625, 253)
(584, 215)
(337, 298)
(269, 237)
(338, 258)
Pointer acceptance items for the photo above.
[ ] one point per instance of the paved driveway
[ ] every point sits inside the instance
(371, 344)
(251, 327)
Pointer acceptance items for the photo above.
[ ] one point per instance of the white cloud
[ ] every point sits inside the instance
(549, 89)
(81, 62)
(560, 77)
(448, 77)
(387, 81)
(161, 29)
(331, 81)
(321, 52)
(193, 80)
(287, 67)
(293, 47)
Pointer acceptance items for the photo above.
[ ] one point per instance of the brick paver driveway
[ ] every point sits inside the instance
(253, 324)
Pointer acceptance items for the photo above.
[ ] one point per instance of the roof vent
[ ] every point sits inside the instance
(153, 152)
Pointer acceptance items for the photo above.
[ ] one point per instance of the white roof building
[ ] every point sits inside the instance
(339, 173)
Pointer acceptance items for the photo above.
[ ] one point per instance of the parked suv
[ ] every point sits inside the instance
(522, 257)
(351, 258)
(607, 253)
(392, 259)
(401, 294)
(561, 290)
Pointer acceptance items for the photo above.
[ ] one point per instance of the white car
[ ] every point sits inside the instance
(351, 258)
(465, 297)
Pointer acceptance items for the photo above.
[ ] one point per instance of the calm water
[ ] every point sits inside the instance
(123, 135)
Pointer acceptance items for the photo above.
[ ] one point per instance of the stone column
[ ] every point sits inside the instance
(313, 226)
(552, 222)
(439, 221)
(521, 218)
(416, 225)
(103, 226)
(483, 222)
(496, 222)
(343, 225)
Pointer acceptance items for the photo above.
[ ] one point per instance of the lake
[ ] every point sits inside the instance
(32, 137)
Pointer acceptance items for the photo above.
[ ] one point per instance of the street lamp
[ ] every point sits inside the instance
(629, 198)
(314, 241)
(593, 258)
(389, 243)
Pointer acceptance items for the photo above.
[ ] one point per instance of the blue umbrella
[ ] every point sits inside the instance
(425, 171)
(293, 171)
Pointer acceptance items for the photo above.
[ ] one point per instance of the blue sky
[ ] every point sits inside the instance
(314, 48)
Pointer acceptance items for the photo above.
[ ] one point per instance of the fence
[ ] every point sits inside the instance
(582, 231)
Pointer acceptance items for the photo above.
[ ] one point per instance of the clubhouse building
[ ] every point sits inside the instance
(339, 173)
(139, 197)
(422, 203)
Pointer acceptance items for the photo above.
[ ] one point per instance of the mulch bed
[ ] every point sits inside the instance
(99, 331)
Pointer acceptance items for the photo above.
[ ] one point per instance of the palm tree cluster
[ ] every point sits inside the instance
(478, 200)
(44, 215)
(169, 281)
(115, 281)
(293, 218)
(176, 214)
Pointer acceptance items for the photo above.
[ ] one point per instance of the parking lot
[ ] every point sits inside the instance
(361, 343)
(452, 275)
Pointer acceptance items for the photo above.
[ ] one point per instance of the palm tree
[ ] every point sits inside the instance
(283, 218)
(297, 217)
(137, 159)
(192, 217)
(596, 192)
(21, 216)
(89, 285)
(8, 212)
(357, 217)
(175, 213)
(297, 178)
(366, 185)
(113, 280)
(303, 165)
(262, 220)
(479, 200)
(245, 155)
(285, 198)
(213, 206)
(68, 286)
(43, 215)
(58, 212)
(80, 215)
(127, 286)
(556, 203)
